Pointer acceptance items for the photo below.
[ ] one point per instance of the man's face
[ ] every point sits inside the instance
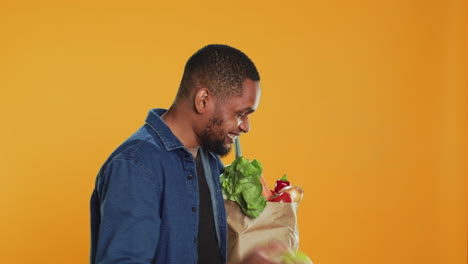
(230, 119)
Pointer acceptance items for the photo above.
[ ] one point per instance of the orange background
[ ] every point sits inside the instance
(364, 105)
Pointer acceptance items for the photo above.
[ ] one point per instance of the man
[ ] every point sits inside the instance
(158, 198)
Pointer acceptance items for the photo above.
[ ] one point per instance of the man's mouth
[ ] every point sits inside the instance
(232, 137)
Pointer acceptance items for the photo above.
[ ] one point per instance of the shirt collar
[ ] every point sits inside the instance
(154, 120)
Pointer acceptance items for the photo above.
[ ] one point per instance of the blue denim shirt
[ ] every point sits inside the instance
(144, 208)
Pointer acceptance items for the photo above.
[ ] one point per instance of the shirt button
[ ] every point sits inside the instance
(194, 209)
(190, 177)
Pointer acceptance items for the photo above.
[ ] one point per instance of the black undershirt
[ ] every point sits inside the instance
(208, 249)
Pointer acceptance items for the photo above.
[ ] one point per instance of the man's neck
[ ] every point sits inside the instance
(180, 124)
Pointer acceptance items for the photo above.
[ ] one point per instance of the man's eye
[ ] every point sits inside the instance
(240, 115)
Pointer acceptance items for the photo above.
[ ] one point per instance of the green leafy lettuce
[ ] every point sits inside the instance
(241, 183)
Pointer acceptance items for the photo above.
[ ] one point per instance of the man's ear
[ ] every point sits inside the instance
(202, 100)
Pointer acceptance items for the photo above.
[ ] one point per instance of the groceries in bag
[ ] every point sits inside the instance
(257, 215)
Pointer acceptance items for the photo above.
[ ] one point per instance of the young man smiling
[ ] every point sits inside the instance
(158, 198)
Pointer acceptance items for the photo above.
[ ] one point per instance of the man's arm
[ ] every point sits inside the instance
(129, 211)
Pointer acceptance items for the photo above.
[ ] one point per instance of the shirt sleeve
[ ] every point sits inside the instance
(129, 210)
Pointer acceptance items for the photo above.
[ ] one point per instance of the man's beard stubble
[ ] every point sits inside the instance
(209, 140)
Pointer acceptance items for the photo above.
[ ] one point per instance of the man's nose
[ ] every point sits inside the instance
(244, 125)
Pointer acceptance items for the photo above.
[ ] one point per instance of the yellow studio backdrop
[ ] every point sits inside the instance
(364, 106)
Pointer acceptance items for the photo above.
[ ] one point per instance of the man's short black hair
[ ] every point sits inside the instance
(219, 68)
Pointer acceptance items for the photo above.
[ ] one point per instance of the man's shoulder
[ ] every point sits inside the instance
(139, 147)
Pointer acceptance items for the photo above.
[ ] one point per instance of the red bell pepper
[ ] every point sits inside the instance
(281, 183)
(283, 197)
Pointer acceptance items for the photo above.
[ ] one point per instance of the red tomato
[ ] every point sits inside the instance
(283, 197)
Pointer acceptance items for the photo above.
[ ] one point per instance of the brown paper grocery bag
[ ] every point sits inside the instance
(277, 222)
